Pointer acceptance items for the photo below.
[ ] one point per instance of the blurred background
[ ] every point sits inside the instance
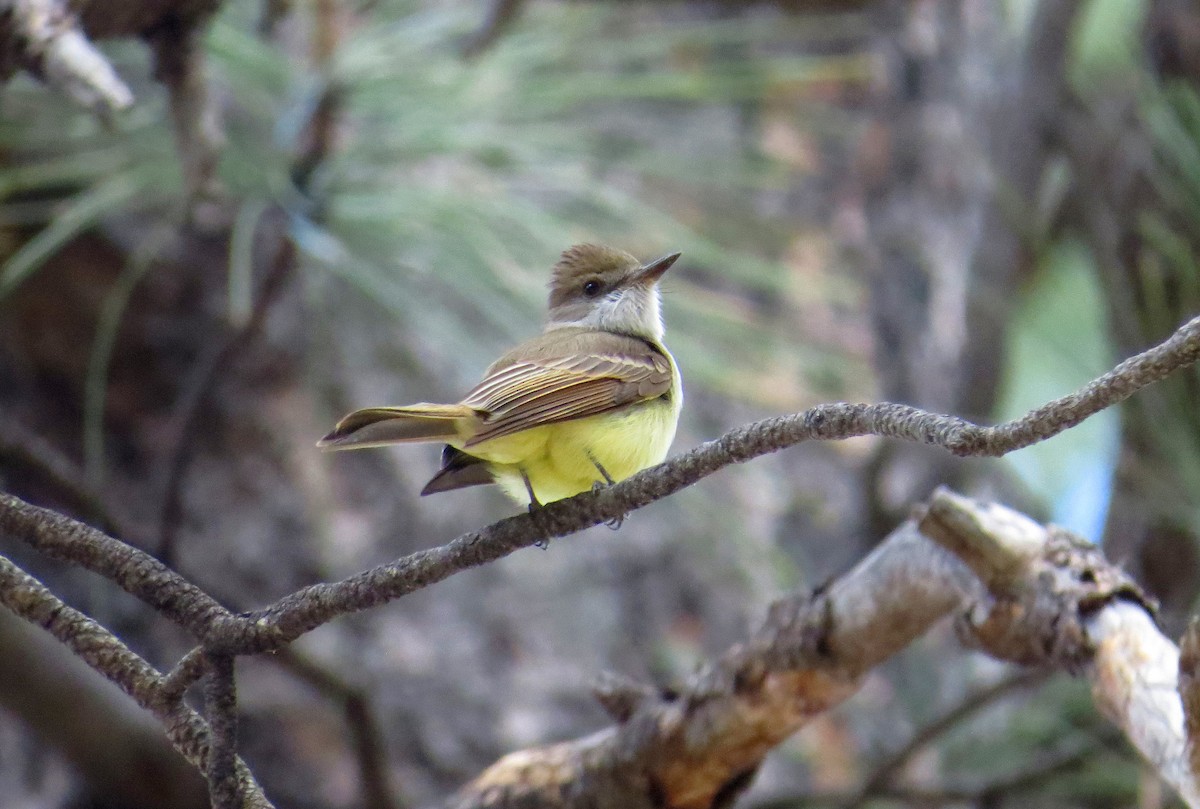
(969, 206)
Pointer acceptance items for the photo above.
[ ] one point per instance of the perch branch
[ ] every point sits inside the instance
(292, 616)
(308, 608)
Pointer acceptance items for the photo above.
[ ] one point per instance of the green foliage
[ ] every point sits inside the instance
(1105, 44)
(1058, 342)
(453, 183)
(62, 172)
(1167, 292)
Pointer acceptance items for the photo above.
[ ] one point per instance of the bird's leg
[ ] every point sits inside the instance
(600, 468)
(534, 505)
(615, 522)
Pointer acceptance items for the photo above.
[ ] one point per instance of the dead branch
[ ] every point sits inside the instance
(1189, 691)
(700, 745)
(44, 38)
(1037, 595)
(1134, 676)
(52, 40)
(1066, 607)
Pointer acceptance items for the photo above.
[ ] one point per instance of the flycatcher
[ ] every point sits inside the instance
(593, 399)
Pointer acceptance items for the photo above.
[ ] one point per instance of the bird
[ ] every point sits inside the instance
(590, 401)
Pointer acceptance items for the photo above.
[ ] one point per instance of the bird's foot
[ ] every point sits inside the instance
(615, 522)
(534, 507)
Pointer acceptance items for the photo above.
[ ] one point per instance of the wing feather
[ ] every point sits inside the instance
(563, 382)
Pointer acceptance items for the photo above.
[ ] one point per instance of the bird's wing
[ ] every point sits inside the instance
(579, 378)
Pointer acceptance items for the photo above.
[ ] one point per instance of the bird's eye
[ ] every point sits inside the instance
(591, 289)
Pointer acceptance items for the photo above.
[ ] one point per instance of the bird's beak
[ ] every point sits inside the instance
(650, 273)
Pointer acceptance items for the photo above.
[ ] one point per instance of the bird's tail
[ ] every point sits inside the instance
(380, 426)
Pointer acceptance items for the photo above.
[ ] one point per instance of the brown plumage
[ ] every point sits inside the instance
(601, 354)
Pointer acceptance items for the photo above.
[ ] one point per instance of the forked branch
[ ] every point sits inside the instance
(808, 656)
(1037, 595)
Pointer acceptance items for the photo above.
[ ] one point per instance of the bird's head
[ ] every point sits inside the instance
(603, 288)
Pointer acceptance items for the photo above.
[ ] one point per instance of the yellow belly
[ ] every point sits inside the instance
(560, 459)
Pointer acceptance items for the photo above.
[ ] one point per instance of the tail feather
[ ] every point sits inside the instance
(459, 470)
(380, 426)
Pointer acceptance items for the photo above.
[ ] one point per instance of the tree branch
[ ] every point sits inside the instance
(45, 38)
(1189, 691)
(698, 746)
(220, 702)
(1134, 676)
(100, 649)
(310, 607)
(134, 571)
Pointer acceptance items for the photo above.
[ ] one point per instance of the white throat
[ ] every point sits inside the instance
(635, 310)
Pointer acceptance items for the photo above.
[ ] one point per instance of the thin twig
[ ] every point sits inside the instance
(186, 673)
(220, 703)
(306, 609)
(134, 571)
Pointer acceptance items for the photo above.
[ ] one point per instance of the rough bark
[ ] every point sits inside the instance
(946, 177)
(1038, 596)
